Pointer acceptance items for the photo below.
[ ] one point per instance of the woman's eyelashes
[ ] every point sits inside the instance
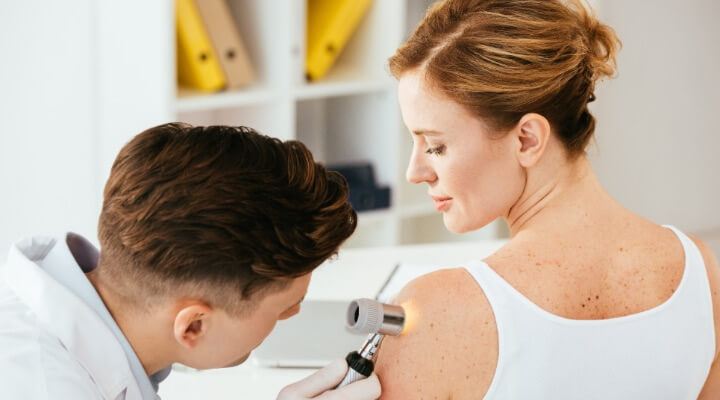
(437, 150)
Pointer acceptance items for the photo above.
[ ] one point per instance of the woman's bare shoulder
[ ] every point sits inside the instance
(449, 347)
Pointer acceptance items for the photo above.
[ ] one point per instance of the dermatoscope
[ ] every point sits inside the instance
(377, 319)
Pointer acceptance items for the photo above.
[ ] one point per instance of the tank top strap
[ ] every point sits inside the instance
(496, 289)
(693, 257)
(695, 279)
(502, 299)
(500, 294)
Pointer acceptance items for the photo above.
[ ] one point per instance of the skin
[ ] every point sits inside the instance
(193, 333)
(574, 251)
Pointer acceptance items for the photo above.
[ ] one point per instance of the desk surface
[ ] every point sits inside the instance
(353, 273)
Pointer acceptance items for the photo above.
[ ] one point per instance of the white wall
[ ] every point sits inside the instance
(70, 77)
(77, 80)
(47, 109)
(657, 141)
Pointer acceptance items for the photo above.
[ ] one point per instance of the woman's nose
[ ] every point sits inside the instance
(418, 171)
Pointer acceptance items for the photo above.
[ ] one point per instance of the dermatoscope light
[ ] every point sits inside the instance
(377, 319)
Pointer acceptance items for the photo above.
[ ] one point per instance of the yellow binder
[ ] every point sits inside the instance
(198, 66)
(329, 26)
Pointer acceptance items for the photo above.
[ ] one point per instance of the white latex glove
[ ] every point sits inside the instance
(319, 386)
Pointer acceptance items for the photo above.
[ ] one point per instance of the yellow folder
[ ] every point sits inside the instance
(197, 63)
(329, 26)
(225, 38)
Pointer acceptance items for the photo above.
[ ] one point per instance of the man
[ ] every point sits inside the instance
(208, 236)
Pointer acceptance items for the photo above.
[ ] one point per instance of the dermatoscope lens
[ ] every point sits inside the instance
(371, 316)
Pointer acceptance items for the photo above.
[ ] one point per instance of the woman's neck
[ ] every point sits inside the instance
(555, 195)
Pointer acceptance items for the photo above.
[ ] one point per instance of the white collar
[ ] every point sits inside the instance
(61, 312)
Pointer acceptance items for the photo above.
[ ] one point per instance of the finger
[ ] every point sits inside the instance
(322, 380)
(364, 389)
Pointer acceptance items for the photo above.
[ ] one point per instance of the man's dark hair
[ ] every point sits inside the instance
(218, 212)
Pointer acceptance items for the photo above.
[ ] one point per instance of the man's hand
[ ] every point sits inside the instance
(319, 386)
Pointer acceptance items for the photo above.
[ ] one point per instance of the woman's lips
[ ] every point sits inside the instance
(442, 203)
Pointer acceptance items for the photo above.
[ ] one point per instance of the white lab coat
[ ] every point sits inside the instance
(52, 344)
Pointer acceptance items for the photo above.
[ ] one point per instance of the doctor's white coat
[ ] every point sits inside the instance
(52, 344)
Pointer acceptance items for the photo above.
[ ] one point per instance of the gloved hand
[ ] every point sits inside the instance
(319, 386)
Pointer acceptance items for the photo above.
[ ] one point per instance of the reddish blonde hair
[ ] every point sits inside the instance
(502, 59)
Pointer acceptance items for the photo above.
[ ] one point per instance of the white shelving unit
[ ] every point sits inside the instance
(351, 115)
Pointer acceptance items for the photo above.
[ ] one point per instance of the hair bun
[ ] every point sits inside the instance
(602, 43)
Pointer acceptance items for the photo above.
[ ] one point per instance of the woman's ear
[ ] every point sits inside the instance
(191, 324)
(533, 133)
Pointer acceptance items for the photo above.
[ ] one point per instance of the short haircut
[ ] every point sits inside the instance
(217, 212)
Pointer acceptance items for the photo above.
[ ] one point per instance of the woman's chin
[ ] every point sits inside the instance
(458, 225)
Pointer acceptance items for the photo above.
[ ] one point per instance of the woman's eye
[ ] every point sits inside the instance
(436, 150)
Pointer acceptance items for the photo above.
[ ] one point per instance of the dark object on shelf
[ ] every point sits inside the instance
(365, 194)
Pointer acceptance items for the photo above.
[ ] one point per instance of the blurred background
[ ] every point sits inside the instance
(79, 78)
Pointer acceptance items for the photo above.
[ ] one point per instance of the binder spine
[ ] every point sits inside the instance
(198, 66)
(329, 26)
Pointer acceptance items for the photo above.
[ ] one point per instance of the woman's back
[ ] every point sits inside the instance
(608, 270)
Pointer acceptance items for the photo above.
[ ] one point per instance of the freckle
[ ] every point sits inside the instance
(597, 297)
(467, 376)
(537, 263)
(436, 339)
(622, 249)
(415, 376)
(589, 299)
(441, 371)
(583, 305)
(432, 324)
(442, 357)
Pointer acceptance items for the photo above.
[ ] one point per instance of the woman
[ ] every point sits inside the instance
(587, 300)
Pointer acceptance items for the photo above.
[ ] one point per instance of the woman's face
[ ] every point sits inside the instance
(473, 176)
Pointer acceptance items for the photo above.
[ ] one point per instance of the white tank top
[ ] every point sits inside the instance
(662, 353)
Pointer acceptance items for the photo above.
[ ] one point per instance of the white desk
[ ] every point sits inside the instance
(354, 273)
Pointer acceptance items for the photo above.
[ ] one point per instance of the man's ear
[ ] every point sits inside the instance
(533, 133)
(192, 323)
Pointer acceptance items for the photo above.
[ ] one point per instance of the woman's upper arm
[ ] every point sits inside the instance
(449, 347)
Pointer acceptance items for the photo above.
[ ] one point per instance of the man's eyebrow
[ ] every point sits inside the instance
(427, 132)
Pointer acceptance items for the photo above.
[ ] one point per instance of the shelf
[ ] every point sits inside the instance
(191, 100)
(367, 217)
(345, 80)
(339, 88)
